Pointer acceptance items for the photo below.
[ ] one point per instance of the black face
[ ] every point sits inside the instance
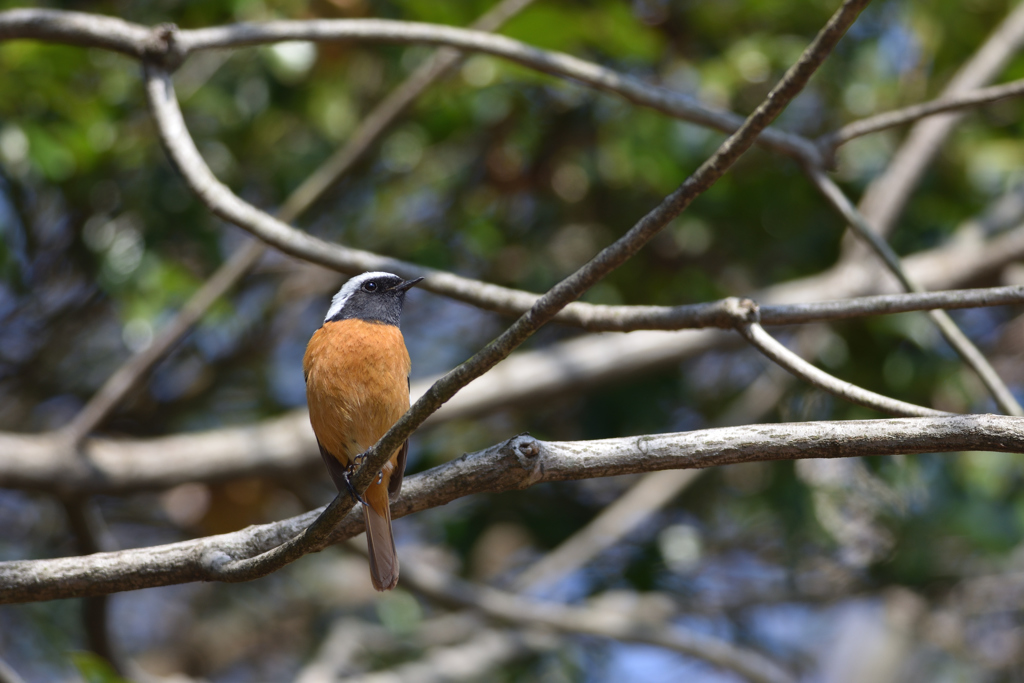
(378, 299)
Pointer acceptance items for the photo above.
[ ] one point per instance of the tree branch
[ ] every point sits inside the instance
(513, 465)
(796, 365)
(898, 117)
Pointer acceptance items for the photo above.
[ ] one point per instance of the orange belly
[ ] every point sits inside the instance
(357, 386)
(356, 383)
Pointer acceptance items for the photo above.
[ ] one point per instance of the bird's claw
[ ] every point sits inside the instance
(349, 471)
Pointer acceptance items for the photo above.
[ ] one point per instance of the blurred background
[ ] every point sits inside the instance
(896, 568)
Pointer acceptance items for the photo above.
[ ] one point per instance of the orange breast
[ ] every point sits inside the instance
(357, 384)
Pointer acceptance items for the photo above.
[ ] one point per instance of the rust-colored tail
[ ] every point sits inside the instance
(381, 542)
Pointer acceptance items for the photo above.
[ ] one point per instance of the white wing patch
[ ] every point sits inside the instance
(348, 289)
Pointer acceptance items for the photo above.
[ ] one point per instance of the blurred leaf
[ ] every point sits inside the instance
(95, 669)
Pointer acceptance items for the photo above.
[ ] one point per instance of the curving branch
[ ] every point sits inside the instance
(796, 365)
(964, 347)
(513, 465)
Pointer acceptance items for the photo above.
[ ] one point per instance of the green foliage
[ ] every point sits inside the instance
(95, 669)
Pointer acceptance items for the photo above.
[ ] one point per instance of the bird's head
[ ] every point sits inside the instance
(374, 297)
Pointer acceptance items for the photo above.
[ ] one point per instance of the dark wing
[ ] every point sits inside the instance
(395, 485)
(335, 468)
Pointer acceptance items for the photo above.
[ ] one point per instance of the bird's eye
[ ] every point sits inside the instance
(370, 286)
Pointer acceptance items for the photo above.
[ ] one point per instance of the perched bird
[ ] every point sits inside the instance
(357, 386)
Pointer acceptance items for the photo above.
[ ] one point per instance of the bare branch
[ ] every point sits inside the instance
(516, 464)
(719, 314)
(221, 201)
(841, 309)
(899, 117)
(170, 45)
(953, 334)
(764, 343)
(77, 28)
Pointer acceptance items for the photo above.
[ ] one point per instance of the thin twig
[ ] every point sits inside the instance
(135, 369)
(841, 309)
(949, 329)
(778, 353)
(898, 117)
(517, 464)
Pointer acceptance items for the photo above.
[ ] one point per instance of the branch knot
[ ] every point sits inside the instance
(741, 311)
(163, 47)
(524, 448)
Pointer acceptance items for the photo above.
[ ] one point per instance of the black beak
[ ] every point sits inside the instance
(407, 285)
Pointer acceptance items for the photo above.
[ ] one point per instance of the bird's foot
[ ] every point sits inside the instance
(349, 471)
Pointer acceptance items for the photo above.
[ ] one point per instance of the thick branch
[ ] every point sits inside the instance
(517, 464)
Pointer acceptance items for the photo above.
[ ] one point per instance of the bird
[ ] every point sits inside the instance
(357, 369)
